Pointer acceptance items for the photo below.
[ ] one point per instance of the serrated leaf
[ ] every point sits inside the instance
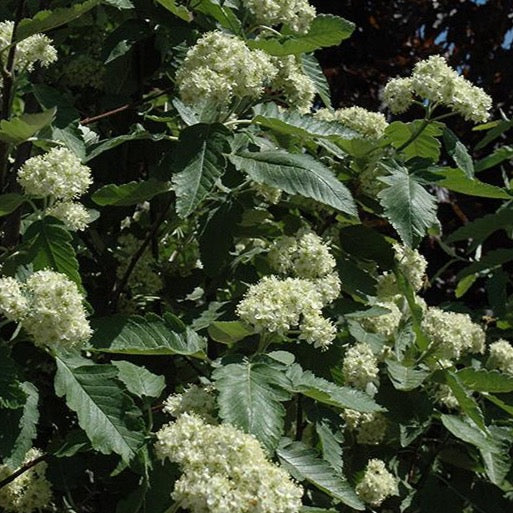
(457, 150)
(327, 392)
(250, 397)
(313, 70)
(425, 145)
(11, 393)
(483, 380)
(19, 428)
(18, 130)
(129, 193)
(304, 464)
(178, 10)
(326, 30)
(456, 180)
(229, 332)
(107, 414)
(467, 403)
(10, 202)
(49, 246)
(120, 4)
(409, 207)
(200, 162)
(220, 12)
(497, 464)
(469, 433)
(405, 378)
(296, 174)
(291, 122)
(47, 20)
(330, 442)
(149, 335)
(495, 158)
(139, 380)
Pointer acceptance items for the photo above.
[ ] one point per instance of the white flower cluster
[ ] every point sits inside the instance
(36, 48)
(220, 67)
(60, 175)
(369, 124)
(224, 470)
(501, 356)
(270, 194)
(277, 305)
(194, 399)
(144, 279)
(49, 306)
(377, 483)
(452, 334)
(30, 491)
(385, 324)
(444, 395)
(84, 70)
(370, 428)
(74, 215)
(296, 14)
(434, 80)
(297, 87)
(360, 366)
(411, 264)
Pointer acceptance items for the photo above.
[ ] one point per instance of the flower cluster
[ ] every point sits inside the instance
(60, 175)
(29, 51)
(30, 491)
(434, 80)
(369, 124)
(385, 324)
(297, 87)
(296, 14)
(276, 305)
(224, 469)
(220, 67)
(444, 395)
(501, 356)
(360, 366)
(452, 334)
(377, 483)
(84, 70)
(49, 306)
(370, 427)
(194, 399)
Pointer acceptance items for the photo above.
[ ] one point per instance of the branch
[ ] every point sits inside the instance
(23, 469)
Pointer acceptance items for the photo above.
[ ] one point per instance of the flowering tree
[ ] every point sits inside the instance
(211, 288)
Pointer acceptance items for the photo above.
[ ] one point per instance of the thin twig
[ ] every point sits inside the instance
(23, 469)
(120, 285)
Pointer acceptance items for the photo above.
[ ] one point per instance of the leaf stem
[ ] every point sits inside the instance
(23, 469)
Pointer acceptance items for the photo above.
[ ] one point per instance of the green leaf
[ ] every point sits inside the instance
(456, 180)
(425, 145)
(304, 464)
(494, 258)
(483, 380)
(10, 202)
(291, 122)
(49, 247)
(469, 432)
(120, 4)
(129, 193)
(497, 464)
(250, 397)
(330, 442)
(220, 12)
(107, 414)
(405, 378)
(313, 70)
(364, 243)
(326, 30)
(497, 157)
(139, 380)
(178, 10)
(149, 335)
(200, 162)
(482, 227)
(296, 174)
(326, 392)
(467, 403)
(18, 130)
(410, 209)
(19, 428)
(229, 332)
(48, 20)
(11, 393)
(464, 285)
(457, 150)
